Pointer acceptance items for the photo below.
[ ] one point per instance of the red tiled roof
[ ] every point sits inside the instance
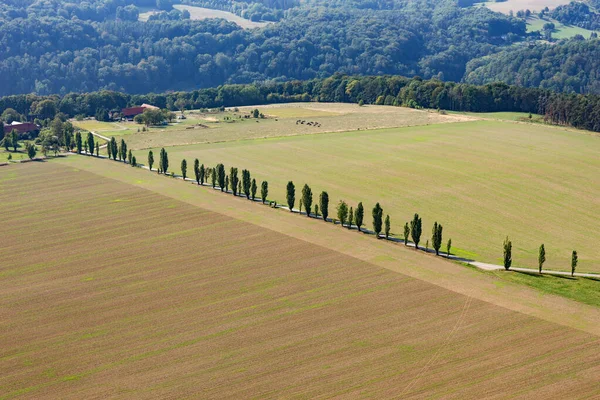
(22, 128)
(133, 111)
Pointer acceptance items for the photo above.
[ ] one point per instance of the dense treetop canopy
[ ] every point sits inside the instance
(63, 46)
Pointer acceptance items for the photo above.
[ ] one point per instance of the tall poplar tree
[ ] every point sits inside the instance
(541, 257)
(197, 170)
(416, 229)
(436, 238)
(221, 176)
(233, 179)
(387, 226)
(91, 145)
(78, 142)
(184, 168)
(377, 219)
(359, 215)
(150, 159)
(342, 212)
(253, 189)
(307, 199)
(291, 195)
(507, 253)
(324, 205)
(246, 182)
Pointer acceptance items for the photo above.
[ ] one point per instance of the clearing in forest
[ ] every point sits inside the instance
(517, 5)
(151, 296)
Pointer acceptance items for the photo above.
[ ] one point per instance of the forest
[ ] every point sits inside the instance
(567, 66)
(52, 46)
(60, 46)
(580, 111)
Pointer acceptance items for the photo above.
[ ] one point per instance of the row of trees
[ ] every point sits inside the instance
(580, 111)
(507, 257)
(350, 217)
(347, 216)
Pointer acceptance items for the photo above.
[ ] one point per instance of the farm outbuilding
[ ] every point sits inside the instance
(131, 112)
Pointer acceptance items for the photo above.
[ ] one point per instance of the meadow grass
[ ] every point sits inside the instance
(481, 180)
(283, 121)
(560, 32)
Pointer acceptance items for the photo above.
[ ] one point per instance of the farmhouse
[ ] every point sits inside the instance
(22, 128)
(131, 112)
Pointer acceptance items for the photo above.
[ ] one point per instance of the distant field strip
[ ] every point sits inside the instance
(283, 121)
(110, 290)
(482, 180)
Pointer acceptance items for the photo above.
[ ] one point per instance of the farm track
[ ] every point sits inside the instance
(158, 298)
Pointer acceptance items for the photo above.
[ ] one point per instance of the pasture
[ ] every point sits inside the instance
(561, 31)
(107, 128)
(517, 5)
(200, 13)
(283, 120)
(154, 297)
(481, 180)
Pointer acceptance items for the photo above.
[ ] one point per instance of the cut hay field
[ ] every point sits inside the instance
(560, 32)
(482, 180)
(517, 5)
(282, 121)
(150, 297)
(199, 13)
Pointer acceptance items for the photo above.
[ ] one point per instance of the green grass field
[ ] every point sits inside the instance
(482, 180)
(283, 121)
(561, 31)
(504, 116)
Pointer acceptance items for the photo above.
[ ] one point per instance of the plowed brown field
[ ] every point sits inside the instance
(109, 290)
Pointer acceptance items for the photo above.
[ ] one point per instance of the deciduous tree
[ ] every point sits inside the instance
(350, 218)
(436, 238)
(359, 215)
(416, 229)
(130, 157)
(113, 148)
(123, 150)
(246, 182)
(150, 159)
(387, 226)
(541, 257)
(377, 219)
(91, 144)
(233, 179)
(253, 189)
(264, 191)
(221, 176)
(164, 161)
(307, 199)
(406, 233)
(507, 253)
(342, 211)
(448, 247)
(197, 170)
(324, 205)
(184, 168)
(291, 195)
(78, 142)
(31, 151)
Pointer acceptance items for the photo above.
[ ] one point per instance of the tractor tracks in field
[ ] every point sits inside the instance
(457, 325)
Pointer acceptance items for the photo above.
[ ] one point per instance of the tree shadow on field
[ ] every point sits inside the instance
(532, 274)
